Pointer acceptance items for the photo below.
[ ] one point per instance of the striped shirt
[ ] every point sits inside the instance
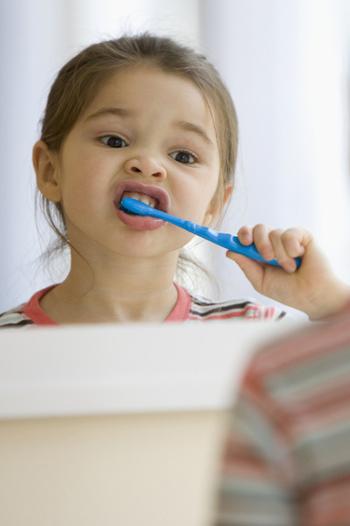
(186, 308)
(286, 459)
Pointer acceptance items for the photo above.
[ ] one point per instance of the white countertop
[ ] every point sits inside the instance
(94, 369)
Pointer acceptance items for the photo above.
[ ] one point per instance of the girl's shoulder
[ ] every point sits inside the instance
(205, 309)
(14, 318)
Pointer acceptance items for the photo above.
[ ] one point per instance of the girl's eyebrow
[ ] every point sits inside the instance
(190, 126)
(122, 112)
(102, 112)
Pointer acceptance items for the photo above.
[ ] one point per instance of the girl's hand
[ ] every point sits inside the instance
(313, 288)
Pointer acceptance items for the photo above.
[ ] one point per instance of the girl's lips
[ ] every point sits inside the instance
(140, 222)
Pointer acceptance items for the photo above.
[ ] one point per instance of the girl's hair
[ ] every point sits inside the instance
(79, 80)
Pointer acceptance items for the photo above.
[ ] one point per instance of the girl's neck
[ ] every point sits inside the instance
(114, 295)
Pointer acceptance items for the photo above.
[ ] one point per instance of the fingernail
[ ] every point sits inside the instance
(290, 266)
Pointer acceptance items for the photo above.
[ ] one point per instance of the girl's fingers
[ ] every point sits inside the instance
(294, 240)
(277, 244)
(245, 235)
(281, 246)
(263, 242)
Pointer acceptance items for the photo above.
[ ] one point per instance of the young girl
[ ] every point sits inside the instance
(145, 117)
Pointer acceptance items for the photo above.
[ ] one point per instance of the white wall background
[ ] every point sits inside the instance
(286, 64)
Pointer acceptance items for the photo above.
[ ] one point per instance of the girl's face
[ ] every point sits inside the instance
(144, 126)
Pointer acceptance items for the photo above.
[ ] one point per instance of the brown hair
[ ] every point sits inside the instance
(80, 78)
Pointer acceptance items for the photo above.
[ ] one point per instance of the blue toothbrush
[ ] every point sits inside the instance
(219, 238)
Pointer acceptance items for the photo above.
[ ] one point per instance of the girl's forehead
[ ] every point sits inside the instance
(148, 88)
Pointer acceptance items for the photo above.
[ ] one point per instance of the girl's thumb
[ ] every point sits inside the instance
(252, 270)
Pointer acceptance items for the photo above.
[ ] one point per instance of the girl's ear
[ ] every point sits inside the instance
(228, 193)
(45, 165)
(215, 209)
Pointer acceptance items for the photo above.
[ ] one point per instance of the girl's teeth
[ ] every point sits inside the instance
(146, 199)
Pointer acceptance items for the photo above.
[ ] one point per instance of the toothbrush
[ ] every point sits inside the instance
(222, 239)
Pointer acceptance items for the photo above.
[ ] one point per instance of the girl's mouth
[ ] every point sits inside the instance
(147, 199)
(151, 195)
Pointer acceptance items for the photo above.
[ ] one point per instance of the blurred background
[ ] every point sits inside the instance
(286, 65)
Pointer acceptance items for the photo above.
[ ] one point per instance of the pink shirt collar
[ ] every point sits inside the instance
(32, 309)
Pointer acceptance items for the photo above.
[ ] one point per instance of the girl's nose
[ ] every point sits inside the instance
(145, 166)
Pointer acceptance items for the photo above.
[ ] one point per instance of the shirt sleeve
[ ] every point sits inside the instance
(256, 480)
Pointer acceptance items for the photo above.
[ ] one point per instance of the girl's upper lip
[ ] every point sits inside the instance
(156, 192)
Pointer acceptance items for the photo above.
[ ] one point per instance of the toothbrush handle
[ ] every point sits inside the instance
(233, 243)
(222, 239)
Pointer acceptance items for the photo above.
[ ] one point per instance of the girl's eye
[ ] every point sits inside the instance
(113, 141)
(184, 157)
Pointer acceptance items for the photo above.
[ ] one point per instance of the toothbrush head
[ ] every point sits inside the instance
(133, 206)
